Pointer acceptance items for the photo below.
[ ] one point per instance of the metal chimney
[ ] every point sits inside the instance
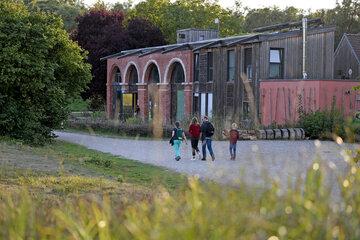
(304, 27)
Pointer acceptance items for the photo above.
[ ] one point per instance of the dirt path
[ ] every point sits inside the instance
(281, 160)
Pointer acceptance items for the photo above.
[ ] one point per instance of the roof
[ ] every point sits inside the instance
(227, 41)
(354, 40)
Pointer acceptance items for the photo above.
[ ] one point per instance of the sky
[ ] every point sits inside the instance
(305, 4)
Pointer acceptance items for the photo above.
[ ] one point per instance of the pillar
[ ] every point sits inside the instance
(143, 100)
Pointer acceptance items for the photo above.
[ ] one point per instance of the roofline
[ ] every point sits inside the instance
(266, 36)
(352, 49)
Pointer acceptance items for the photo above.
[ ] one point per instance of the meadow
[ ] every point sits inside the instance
(64, 191)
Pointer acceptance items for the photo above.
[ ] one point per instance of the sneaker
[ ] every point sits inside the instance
(203, 159)
(177, 158)
(213, 157)
(198, 155)
(193, 158)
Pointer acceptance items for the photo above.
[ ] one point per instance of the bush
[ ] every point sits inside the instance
(113, 127)
(323, 124)
(40, 69)
(79, 105)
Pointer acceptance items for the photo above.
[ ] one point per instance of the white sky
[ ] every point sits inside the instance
(305, 4)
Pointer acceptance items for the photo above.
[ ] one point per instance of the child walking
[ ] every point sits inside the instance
(233, 136)
(194, 131)
(177, 136)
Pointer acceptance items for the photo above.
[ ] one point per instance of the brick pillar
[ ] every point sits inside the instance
(108, 100)
(143, 100)
(188, 91)
(165, 102)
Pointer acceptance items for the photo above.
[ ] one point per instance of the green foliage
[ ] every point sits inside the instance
(99, 161)
(40, 68)
(68, 10)
(323, 124)
(170, 16)
(79, 105)
(200, 211)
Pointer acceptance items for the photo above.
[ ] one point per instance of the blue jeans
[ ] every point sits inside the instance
(232, 149)
(177, 144)
(207, 142)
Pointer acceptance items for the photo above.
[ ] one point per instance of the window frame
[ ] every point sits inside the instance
(196, 67)
(245, 70)
(228, 68)
(209, 67)
(281, 64)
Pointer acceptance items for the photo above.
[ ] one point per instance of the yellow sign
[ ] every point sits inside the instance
(127, 99)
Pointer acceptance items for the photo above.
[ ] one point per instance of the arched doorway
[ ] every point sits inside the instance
(129, 94)
(177, 92)
(153, 79)
(116, 92)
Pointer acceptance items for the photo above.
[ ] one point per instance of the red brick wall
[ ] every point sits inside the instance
(280, 100)
(164, 63)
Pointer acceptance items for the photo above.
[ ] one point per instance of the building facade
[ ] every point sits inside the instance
(242, 78)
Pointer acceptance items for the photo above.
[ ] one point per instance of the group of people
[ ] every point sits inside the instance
(203, 133)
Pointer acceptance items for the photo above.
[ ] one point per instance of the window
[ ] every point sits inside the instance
(246, 110)
(202, 37)
(209, 66)
(276, 63)
(248, 63)
(231, 65)
(181, 35)
(206, 104)
(196, 67)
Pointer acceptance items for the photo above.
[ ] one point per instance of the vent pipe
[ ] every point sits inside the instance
(304, 28)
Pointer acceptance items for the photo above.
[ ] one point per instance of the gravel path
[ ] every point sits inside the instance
(282, 160)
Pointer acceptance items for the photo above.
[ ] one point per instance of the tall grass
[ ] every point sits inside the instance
(304, 210)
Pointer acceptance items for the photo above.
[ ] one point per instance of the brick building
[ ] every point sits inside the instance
(261, 77)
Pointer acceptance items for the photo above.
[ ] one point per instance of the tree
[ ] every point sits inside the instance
(170, 16)
(40, 68)
(269, 16)
(143, 33)
(345, 16)
(101, 32)
(68, 10)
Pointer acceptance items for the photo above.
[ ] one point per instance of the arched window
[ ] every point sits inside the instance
(117, 76)
(177, 75)
(133, 75)
(154, 74)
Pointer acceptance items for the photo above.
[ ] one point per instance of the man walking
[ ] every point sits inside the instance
(207, 131)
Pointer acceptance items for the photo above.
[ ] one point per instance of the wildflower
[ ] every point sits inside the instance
(102, 224)
(316, 166)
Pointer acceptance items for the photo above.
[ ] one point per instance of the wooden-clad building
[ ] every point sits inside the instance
(230, 70)
(347, 57)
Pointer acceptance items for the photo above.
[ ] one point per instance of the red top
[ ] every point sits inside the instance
(234, 136)
(195, 130)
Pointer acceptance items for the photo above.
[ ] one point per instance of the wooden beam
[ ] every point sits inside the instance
(281, 26)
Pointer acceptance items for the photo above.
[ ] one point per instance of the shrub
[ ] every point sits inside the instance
(322, 124)
(40, 69)
(78, 105)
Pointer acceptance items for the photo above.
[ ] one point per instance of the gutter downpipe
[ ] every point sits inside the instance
(304, 28)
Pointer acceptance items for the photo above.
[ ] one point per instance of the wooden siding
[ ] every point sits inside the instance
(193, 35)
(229, 97)
(319, 56)
(344, 59)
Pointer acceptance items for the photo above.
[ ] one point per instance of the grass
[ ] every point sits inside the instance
(120, 169)
(102, 205)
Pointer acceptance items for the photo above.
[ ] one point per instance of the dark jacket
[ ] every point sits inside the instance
(207, 130)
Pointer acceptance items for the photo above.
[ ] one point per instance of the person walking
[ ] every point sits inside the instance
(207, 131)
(177, 137)
(233, 135)
(194, 131)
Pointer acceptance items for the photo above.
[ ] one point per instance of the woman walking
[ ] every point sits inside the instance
(178, 136)
(194, 131)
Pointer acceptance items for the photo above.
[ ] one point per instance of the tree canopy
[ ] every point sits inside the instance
(40, 68)
(102, 32)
